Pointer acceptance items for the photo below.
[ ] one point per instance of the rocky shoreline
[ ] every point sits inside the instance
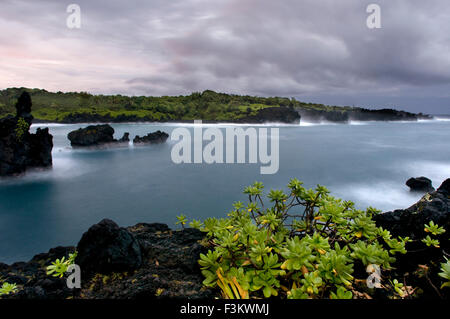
(153, 261)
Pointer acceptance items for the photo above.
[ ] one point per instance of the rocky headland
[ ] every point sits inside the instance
(358, 114)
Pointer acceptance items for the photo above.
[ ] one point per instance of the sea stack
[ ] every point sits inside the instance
(19, 149)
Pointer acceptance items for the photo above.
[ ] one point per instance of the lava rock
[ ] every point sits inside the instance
(125, 137)
(20, 150)
(23, 107)
(106, 247)
(92, 135)
(410, 222)
(151, 138)
(96, 136)
(420, 184)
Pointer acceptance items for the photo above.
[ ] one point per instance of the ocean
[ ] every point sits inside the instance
(366, 162)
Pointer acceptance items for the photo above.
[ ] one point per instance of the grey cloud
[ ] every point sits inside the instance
(308, 49)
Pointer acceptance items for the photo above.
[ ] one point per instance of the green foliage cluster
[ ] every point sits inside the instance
(445, 273)
(21, 128)
(207, 105)
(8, 288)
(58, 268)
(304, 244)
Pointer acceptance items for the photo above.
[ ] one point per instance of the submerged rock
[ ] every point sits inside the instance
(151, 138)
(95, 135)
(420, 184)
(19, 149)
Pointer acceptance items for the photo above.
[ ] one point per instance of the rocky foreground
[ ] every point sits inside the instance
(153, 261)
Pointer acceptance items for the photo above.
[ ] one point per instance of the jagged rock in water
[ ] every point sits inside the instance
(95, 135)
(420, 184)
(125, 137)
(19, 149)
(151, 138)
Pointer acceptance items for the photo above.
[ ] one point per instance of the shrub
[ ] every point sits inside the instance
(305, 244)
(21, 128)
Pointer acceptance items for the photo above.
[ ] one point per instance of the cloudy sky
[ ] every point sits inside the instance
(320, 51)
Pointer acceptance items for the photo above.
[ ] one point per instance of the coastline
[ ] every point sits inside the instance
(154, 261)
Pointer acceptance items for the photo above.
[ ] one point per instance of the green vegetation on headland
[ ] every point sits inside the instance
(74, 107)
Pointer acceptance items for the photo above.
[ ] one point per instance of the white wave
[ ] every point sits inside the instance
(436, 171)
(383, 196)
(306, 123)
(47, 125)
(358, 122)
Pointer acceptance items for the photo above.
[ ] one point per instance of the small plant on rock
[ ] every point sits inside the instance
(58, 268)
(8, 288)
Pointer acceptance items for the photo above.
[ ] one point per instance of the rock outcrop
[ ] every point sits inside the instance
(108, 256)
(151, 138)
(420, 184)
(95, 135)
(19, 149)
(106, 247)
(410, 222)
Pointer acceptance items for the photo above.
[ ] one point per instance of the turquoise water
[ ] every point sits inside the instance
(364, 162)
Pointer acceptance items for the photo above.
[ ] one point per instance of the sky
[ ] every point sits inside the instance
(316, 51)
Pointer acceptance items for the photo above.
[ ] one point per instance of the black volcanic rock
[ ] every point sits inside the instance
(92, 135)
(23, 107)
(106, 247)
(410, 222)
(19, 149)
(125, 137)
(151, 138)
(95, 135)
(420, 184)
(169, 266)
